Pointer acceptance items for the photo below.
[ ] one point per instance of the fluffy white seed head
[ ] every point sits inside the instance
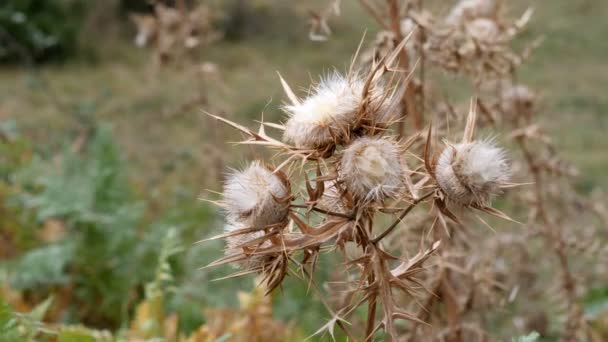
(407, 25)
(256, 197)
(372, 169)
(329, 114)
(466, 10)
(472, 173)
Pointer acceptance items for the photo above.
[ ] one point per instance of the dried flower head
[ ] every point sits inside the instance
(147, 29)
(329, 114)
(371, 169)
(256, 197)
(472, 173)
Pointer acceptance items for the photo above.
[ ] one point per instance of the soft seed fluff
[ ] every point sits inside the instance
(472, 173)
(372, 170)
(256, 197)
(329, 114)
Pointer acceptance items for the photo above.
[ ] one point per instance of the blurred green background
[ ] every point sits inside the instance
(102, 154)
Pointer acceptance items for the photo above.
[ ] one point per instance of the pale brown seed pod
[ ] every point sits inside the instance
(472, 173)
(256, 197)
(330, 113)
(371, 169)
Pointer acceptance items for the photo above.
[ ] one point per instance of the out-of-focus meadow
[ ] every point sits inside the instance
(104, 152)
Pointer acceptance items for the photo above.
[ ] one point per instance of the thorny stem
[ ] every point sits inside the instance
(422, 60)
(374, 13)
(371, 305)
(401, 217)
(552, 237)
(448, 296)
(425, 311)
(442, 290)
(371, 316)
(327, 306)
(408, 101)
(323, 211)
(371, 313)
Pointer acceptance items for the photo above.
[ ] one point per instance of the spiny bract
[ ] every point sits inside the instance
(332, 200)
(234, 245)
(472, 173)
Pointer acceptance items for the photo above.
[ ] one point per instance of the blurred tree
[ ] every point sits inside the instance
(33, 31)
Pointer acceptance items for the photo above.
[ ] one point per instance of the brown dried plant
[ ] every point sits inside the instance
(175, 33)
(475, 41)
(431, 268)
(356, 173)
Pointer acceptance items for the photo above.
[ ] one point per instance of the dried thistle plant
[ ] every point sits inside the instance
(431, 274)
(174, 33)
(475, 41)
(345, 174)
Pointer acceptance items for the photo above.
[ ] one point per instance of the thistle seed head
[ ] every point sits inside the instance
(256, 197)
(472, 173)
(329, 114)
(407, 25)
(372, 169)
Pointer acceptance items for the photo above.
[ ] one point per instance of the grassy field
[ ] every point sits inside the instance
(174, 152)
(569, 69)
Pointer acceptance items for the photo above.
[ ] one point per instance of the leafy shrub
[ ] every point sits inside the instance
(108, 249)
(90, 197)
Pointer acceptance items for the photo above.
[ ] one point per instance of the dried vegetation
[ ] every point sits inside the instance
(368, 171)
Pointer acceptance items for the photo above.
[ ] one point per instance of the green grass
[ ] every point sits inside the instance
(568, 69)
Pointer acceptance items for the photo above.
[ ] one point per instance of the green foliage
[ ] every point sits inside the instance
(18, 327)
(44, 266)
(110, 251)
(111, 254)
(38, 30)
(596, 301)
(163, 281)
(91, 196)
